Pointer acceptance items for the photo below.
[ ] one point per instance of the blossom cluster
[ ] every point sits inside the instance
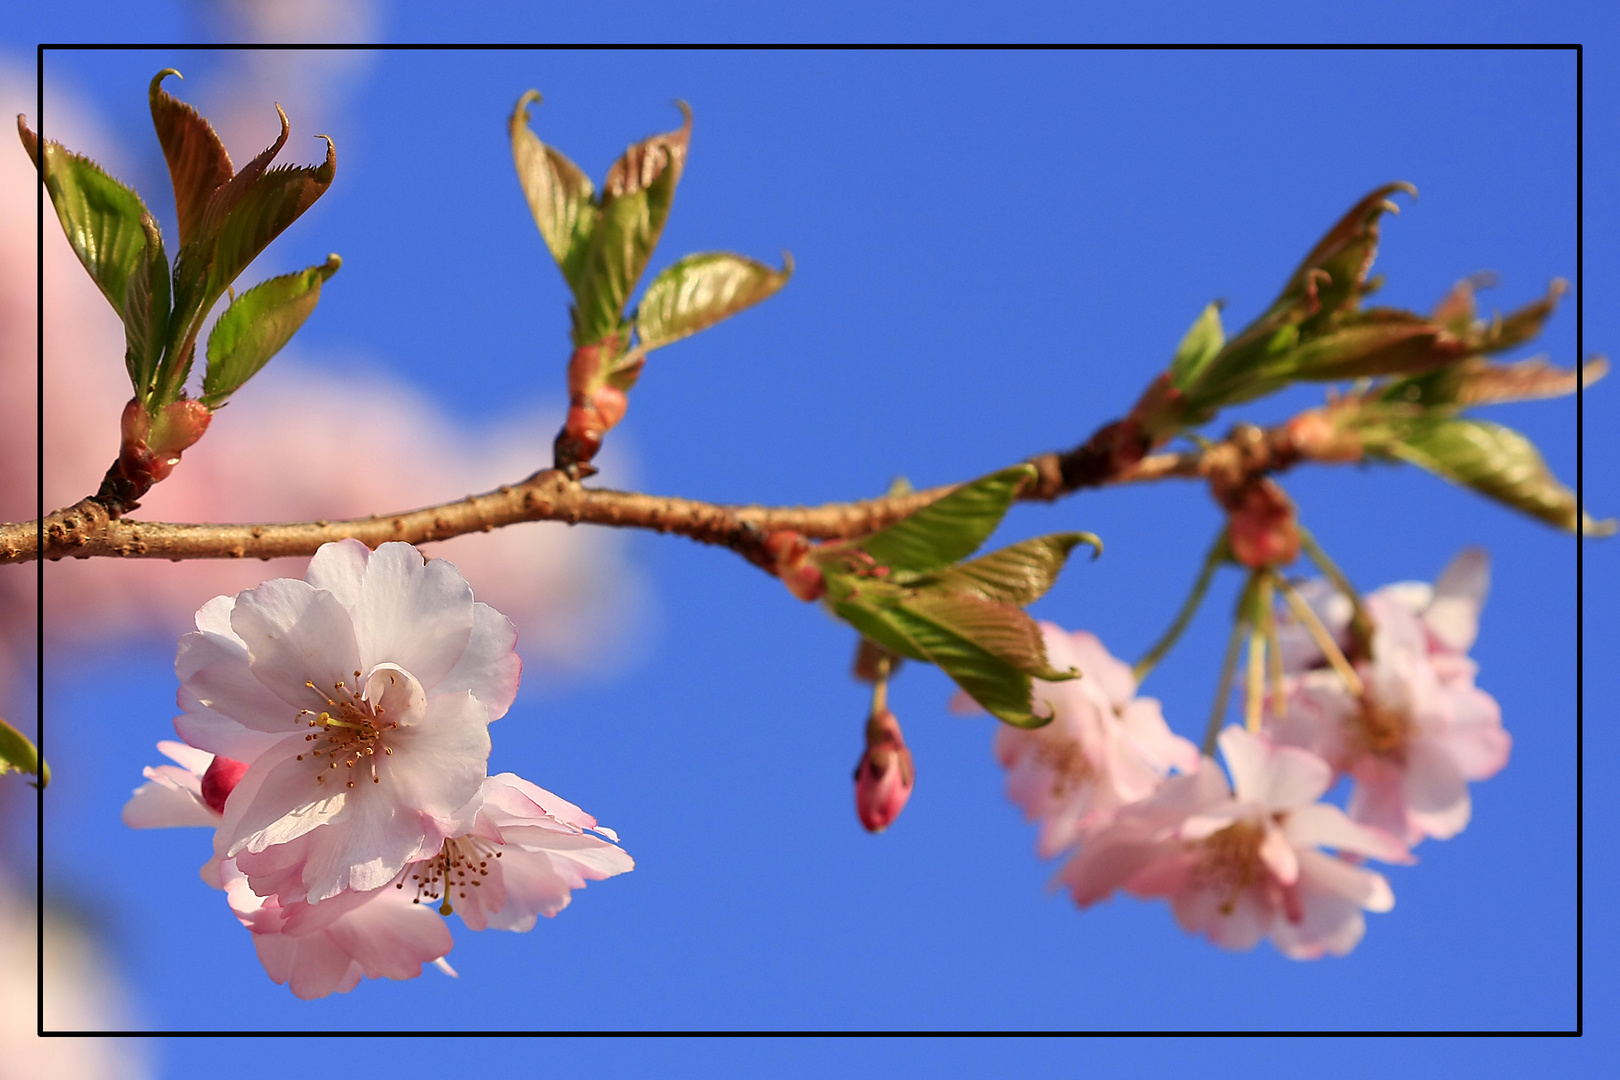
(336, 739)
(1136, 808)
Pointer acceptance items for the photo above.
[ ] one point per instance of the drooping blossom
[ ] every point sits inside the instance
(326, 948)
(361, 696)
(1420, 730)
(1104, 748)
(1240, 867)
(885, 774)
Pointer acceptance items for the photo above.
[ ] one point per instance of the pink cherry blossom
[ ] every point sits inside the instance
(1104, 748)
(1420, 730)
(327, 948)
(1239, 867)
(361, 697)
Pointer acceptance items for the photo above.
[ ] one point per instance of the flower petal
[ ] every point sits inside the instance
(416, 614)
(296, 634)
(438, 765)
(1323, 825)
(1453, 615)
(488, 667)
(338, 568)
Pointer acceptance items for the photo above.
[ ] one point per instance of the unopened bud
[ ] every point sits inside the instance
(1318, 438)
(790, 558)
(220, 780)
(884, 777)
(1262, 529)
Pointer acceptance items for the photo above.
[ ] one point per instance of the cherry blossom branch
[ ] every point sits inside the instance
(89, 529)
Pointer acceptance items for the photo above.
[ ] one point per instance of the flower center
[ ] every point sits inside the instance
(460, 864)
(1070, 767)
(1382, 731)
(348, 733)
(1231, 861)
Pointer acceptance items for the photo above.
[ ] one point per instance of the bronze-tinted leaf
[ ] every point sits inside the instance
(1333, 276)
(1019, 574)
(559, 194)
(635, 204)
(198, 163)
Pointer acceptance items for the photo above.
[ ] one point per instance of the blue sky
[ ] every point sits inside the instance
(995, 252)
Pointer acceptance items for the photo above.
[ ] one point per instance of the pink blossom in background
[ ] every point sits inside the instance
(1104, 748)
(1240, 867)
(1422, 730)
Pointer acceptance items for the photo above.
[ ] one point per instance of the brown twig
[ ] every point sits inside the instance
(87, 530)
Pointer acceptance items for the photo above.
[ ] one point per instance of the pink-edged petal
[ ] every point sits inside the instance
(214, 617)
(512, 800)
(1453, 615)
(438, 765)
(296, 634)
(1246, 759)
(1294, 778)
(1476, 741)
(216, 733)
(217, 672)
(1238, 924)
(1322, 825)
(165, 803)
(390, 937)
(188, 757)
(277, 800)
(416, 614)
(1278, 855)
(1377, 801)
(1109, 674)
(1436, 793)
(1144, 725)
(595, 857)
(1328, 876)
(368, 845)
(338, 568)
(1329, 924)
(309, 967)
(488, 667)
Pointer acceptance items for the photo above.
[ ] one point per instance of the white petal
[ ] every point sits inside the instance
(296, 634)
(1322, 825)
(1436, 792)
(338, 568)
(438, 765)
(217, 734)
(1246, 760)
(217, 671)
(281, 800)
(1278, 855)
(414, 614)
(1453, 614)
(488, 666)
(1329, 876)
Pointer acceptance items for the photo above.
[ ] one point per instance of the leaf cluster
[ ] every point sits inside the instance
(225, 219)
(912, 589)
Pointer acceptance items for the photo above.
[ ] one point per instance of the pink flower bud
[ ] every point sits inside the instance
(220, 780)
(884, 777)
(790, 555)
(1262, 528)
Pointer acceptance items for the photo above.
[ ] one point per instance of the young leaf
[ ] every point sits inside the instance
(559, 194)
(1333, 275)
(16, 752)
(1202, 344)
(102, 218)
(948, 529)
(1019, 574)
(146, 313)
(198, 163)
(635, 204)
(701, 290)
(1002, 630)
(256, 326)
(876, 621)
(1497, 462)
(1004, 690)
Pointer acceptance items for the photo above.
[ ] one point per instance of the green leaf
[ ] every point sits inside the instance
(146, 314)
(1203, 342)
(948, 529)
(102, 218)
(198, 163)
(1019, 574)
(701, 290)
(240, 220)
(16, 752)
(635, 204)
(1497, 462)
(559, 194)
(256, 326)
(1333, 276)
(1001, 630)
